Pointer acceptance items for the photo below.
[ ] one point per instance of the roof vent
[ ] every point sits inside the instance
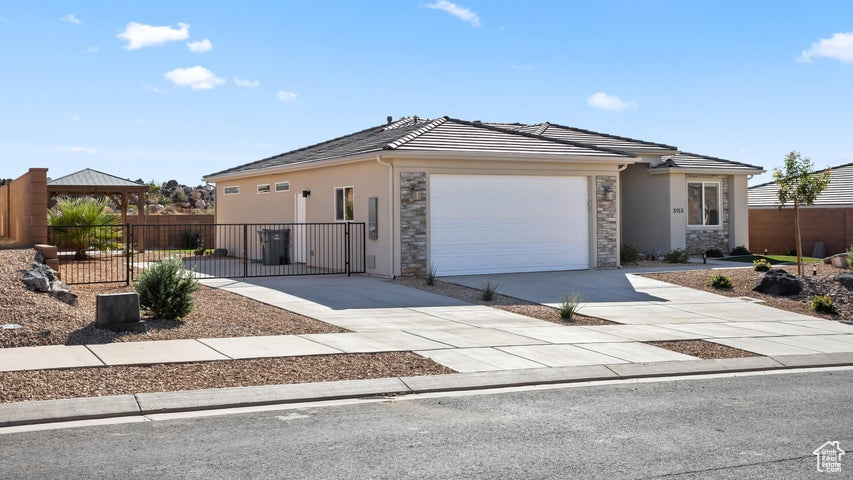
(389, 119)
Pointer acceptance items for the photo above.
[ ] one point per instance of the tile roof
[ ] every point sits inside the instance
(704, 162)
(839, 191)
(605, 140)
(445, 134)
(92, 178)
(418, 134)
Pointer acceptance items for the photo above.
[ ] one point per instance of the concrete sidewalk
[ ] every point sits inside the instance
(385, 317)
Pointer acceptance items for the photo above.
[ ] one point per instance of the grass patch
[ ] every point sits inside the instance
(772, 259)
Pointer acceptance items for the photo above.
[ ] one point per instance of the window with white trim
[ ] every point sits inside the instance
(282, 186)
(264, 188)
(232, 190)
(703, 204)
(344, 209)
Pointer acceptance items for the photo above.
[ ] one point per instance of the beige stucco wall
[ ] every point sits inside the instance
(738, 211)
(369, 179)
(677, 211)
(646, 209)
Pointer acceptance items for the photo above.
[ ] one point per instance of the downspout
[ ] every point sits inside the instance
(391, 210)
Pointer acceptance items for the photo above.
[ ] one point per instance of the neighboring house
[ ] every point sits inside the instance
(473, 197)
(829, 220)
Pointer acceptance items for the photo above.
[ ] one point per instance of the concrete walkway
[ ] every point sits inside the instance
(384, 316)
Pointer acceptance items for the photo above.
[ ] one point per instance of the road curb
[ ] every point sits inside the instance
(64, 410)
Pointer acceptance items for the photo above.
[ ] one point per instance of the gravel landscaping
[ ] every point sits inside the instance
(120, 380)
(703, 349)
(744, 279)
(503, 302)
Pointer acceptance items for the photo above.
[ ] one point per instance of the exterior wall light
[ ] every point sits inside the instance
(306, 193)
(609, 193)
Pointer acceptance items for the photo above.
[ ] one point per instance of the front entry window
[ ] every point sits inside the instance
(344, 204)
(703, 204)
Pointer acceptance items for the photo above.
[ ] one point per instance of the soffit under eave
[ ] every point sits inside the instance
(702, 171)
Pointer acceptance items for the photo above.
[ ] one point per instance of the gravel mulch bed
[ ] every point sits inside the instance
(121, 380)
(502, 302)
(703, 349)
(47, 321)
(744, 279)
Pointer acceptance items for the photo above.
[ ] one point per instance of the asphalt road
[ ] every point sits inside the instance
(764, 426)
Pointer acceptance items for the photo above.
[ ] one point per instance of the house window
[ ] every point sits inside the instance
(265, 188)
(703, 203)
(282, 186)
(343, 204)
(233, 190)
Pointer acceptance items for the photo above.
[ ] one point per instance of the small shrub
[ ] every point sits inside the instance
(628, 254)
(179, 196)
(761, 265)
(823, 304)
(165, 289)
(714, 253)
(431, 272)
(740, 250)
(720, 281)
(850, 258)
(570, 305)
(489, 290)
(676, 256)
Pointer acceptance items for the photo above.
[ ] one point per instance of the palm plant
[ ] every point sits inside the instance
(82, 224)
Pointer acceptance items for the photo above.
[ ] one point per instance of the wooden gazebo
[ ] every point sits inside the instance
(121, 191)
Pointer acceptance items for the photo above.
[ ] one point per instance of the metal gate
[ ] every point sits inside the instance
(110, 253)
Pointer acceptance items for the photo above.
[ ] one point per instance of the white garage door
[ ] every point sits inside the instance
(496, 223)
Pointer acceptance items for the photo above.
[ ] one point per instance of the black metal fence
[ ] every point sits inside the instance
(107, 253)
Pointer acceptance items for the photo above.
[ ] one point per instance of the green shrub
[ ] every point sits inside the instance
(720, 281)
(628, 254)
(850, 258)
(714, 253)
(569, 305)
(740, 250)
(823, 304)
(165, 289)
(81, 224)
(179, 196)
(489, 290)
(676, 256)
(431, 272)
(761, 265)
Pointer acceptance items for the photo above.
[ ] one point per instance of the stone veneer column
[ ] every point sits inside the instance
(413, 225)
(606, 239)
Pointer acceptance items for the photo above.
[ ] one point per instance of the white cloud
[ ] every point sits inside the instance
(139, 35)
(197, 78)
(200, 46)
(93, 49)
(152, 88)
(608, 102)
(246, 83)
(286, 96)
(461, 13)
(70, 18)
(523, 67)
(838, 47)
(76, 118)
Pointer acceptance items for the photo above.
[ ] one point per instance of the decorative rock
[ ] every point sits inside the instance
(778, 282)
(220, 252)
(41, 278)
(819, 250)
(845, 279)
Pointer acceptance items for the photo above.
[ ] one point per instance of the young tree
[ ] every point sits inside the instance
(799, 184)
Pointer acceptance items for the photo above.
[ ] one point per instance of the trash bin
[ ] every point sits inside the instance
(275, 246)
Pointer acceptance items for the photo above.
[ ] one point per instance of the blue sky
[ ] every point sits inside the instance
(163, 90)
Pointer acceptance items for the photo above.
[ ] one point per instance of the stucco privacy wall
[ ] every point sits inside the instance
(773, 229)
(368, 179)
(23, 216)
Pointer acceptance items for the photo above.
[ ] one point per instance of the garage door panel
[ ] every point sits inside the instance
(487, 224)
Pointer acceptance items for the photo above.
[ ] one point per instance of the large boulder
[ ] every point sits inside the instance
(778, 282)
(845, 279)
